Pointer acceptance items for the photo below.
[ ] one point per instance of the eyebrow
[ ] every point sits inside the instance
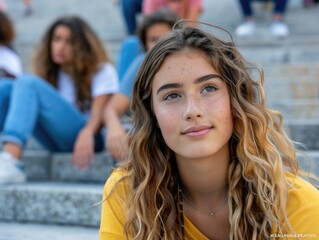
(197, 81)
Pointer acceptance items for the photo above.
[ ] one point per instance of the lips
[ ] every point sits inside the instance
(197, 131)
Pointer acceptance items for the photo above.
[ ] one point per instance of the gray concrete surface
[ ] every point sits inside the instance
(27, 231)
(106, 19)
(51, 202)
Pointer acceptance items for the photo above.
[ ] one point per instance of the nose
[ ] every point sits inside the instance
(193, 108)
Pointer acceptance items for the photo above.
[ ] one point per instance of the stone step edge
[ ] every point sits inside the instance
(52, 203)
(41, 165)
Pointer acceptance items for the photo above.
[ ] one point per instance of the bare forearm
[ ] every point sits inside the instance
(95, 121)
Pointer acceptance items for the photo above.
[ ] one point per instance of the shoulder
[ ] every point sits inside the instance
(10, 60)
(105, 80)
(117, 183)
(302, 205)
(301, 191)
(116, 191)
(105, 69)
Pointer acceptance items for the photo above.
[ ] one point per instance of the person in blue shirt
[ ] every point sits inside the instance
(151, 29)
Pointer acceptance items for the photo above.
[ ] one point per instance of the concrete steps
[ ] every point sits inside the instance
(32, 231)
(40, 165)
(57, 193)
(52, 203)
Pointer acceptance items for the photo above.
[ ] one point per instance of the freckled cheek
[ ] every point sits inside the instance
(168, 121)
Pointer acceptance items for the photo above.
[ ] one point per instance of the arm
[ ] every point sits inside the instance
(115, 143)
(83, 152)
(104, 84)
(118, 105)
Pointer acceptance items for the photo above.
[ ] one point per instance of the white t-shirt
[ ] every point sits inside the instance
(10, 61)
(105, 81)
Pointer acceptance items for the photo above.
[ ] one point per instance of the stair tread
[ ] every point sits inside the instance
(32, 231)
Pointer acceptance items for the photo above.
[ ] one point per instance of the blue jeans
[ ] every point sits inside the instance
(130, 49)
(130, 8)
(31, 106)
(280, 7)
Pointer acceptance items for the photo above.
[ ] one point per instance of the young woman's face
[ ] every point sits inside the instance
(155, 32)
(61, 46)
(192, 105)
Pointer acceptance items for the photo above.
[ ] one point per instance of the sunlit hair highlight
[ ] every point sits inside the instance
(260, 150)
(88, 54)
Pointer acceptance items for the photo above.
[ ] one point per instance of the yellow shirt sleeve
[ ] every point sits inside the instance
(112, 215)
(303, 209)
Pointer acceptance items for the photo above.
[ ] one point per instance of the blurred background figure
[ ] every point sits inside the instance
(130, 10)
(3, 5)
(150, 30)
(62, 104)
(185, 9)
(10, 64)
(28, 9)
(277, 27)
(310, 3)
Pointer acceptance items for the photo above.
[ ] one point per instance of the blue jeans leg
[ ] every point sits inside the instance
(131, 48)
(130, 9)
(280, 6)
(37, 108)
(5, 91)
(246, 8)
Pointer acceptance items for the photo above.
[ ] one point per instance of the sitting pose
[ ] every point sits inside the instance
(207, 158)
(152, 27)
(277, 27)
(61, 105)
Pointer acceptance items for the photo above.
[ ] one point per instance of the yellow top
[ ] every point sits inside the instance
(302, 210)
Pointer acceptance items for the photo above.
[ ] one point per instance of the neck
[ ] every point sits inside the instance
(204, 180)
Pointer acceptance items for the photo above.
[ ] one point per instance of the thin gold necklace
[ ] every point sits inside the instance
(210, 213)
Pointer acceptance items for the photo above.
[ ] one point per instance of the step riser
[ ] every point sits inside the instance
(50, 206)
(308, 90)
(305, 134)
(297, 111)
(41, 166)
(63, 169)
(309, 162)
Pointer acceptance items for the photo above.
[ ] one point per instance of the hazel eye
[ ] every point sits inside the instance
(171, 96)
(209, 88)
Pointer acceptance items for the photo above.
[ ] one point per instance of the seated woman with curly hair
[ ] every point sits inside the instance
(207, 158)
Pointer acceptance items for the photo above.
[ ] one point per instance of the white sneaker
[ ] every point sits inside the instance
(246, 29)
(279, 29)
(11, 170)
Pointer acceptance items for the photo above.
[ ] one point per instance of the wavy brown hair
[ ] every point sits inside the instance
(7, 32)
(88, 54)
(259, 148)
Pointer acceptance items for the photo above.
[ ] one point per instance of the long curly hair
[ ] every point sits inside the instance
(88, 53)
(260, 151)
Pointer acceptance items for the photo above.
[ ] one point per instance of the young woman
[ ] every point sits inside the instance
(10, 64)
(207, 159)
(151, 29)
(62, 104)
